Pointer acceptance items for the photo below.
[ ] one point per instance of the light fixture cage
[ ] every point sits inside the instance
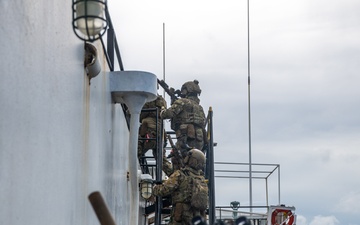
(146, 188)
(89, 19)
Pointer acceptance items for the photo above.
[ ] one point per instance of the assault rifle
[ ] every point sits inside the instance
(175, 152)
(174, 94)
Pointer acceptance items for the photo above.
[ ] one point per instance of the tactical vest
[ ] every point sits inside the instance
(183, 194)
(192, 113)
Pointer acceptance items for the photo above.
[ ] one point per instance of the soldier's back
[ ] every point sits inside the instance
(159, 102)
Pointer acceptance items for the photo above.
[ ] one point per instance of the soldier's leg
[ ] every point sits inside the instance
(140, 148)
(187, 214)
(199, 138)
(151, 133)
(181, 143)
(191, 136)
(142, 133)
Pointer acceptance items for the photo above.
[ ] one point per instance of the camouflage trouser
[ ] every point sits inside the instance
(189, 135)
(182, 214)
(145, 145)
(147, 130)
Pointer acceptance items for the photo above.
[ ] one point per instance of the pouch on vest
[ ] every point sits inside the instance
(199, 135)
(199, 198)
(183, 129)
(191, 131)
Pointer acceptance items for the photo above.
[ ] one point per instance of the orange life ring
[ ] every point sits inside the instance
(288, 213)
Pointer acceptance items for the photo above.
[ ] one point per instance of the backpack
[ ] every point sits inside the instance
(199, 193)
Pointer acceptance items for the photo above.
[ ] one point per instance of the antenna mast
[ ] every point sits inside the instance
(249, 113)
(164, 56)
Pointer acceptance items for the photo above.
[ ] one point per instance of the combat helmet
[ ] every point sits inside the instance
(190, 88)
(195, 159)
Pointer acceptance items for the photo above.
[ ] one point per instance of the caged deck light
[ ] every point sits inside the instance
(89, 21)
(146, 186)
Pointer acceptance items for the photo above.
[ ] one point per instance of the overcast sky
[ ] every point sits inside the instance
(305, 95)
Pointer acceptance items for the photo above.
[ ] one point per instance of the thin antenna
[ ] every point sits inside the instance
(250, 163)
(164, 56)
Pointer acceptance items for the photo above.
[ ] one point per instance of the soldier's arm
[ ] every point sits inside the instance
(174, 109)
(169, 185)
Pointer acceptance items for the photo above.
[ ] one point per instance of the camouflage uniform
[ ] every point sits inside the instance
(178, 186)
(148, 126)
(187, 118)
